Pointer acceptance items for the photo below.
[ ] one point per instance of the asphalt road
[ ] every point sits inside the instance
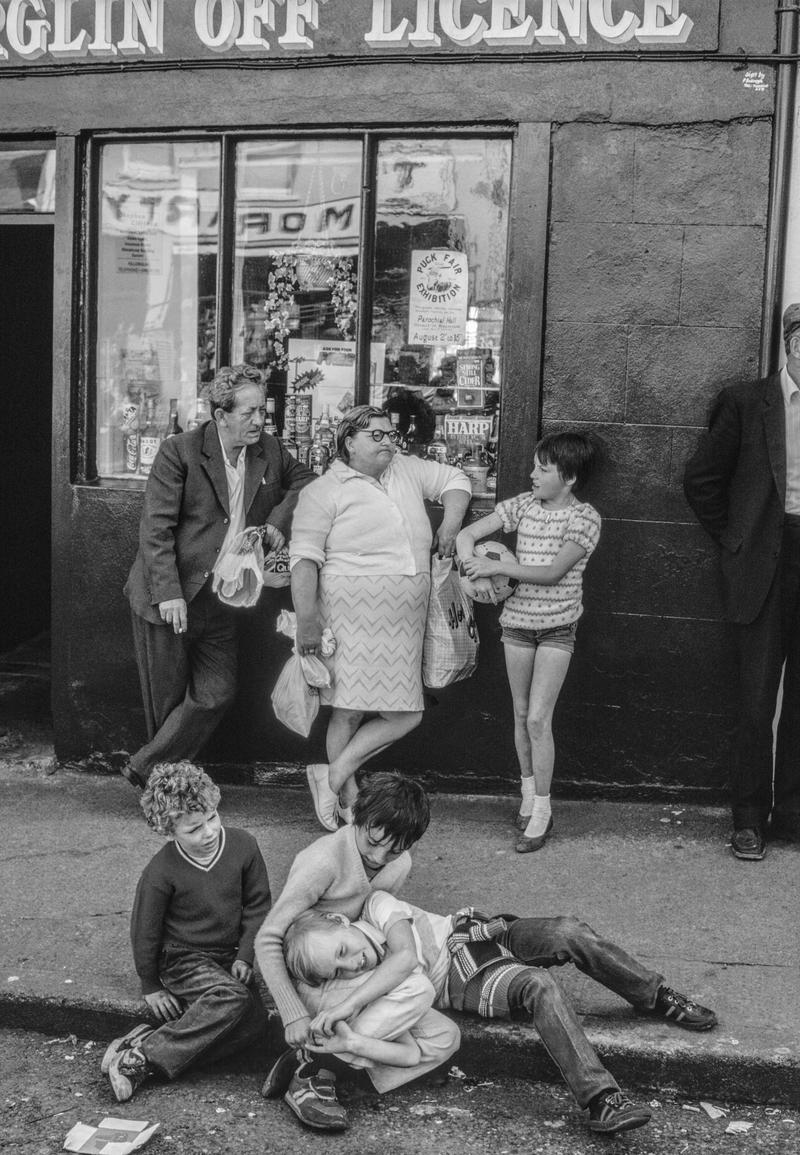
(47, 1085)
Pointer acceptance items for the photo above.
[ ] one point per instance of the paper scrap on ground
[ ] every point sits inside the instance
(111, 1137)
(712, 1111)
(738, 1127)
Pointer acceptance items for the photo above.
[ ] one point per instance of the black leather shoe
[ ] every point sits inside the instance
(525, 845)
(135, 779)
(748, 843)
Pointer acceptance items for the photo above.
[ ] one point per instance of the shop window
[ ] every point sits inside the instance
(156, 294)
(274, 226)
(27, 177)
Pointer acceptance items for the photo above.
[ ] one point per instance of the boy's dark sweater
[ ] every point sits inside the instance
(219, 906)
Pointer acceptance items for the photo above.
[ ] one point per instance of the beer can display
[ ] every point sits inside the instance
(289, 414)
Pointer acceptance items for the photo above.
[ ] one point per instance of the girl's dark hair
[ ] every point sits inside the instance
(573, 454)
(395, 804)
(354, 419)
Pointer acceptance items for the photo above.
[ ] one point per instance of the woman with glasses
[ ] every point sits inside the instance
(360, 563)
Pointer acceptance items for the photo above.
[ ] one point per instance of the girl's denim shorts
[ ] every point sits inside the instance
(559, 637)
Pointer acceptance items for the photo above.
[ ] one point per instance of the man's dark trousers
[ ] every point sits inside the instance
(763, 646)
(188, 680)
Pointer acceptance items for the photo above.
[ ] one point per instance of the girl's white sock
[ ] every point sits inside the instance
(540, 817)
(526, 808)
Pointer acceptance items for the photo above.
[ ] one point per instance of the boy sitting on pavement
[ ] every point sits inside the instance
(493, 967)
(336, 873)
(198, 905)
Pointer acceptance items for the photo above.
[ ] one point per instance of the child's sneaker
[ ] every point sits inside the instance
(280, 1075)
(313, 1100)
(672, 1005)
(611, 1111)
(128, 1070)
(133, 1038)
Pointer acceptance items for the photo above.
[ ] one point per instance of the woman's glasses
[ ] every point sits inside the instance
(379, 434)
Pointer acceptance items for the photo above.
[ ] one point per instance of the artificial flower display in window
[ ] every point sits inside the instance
(282, 285)
(343, 295)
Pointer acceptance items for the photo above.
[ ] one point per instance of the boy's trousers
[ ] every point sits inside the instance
(540, 943)
(221, 1014)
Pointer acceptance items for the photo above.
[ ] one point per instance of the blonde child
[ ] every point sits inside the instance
(556, 534)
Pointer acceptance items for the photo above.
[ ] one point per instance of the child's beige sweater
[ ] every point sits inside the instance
(328, 876)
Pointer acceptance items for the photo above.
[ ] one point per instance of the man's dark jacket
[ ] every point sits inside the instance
(736, 484)
(186, 512)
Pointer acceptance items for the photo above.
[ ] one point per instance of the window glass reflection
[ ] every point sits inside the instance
(27, 177)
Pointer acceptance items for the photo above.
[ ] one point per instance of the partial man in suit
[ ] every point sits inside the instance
(743, 483)
(205, 486)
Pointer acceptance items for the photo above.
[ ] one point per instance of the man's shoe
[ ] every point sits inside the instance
(313, 1100)
(133, 1038)
(611, 1111)
(525, 845)
(128, 1070)
(326, 801)
(672, 1005)
(748, 843)
(280, 1076)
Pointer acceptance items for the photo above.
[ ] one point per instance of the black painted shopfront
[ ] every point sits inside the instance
(368, 200)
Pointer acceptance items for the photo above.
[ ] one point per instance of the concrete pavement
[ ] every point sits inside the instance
(656, 878)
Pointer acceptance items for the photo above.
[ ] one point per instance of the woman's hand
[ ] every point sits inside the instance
(308, 638)
(444, 541)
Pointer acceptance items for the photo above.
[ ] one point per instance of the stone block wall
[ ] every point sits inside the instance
(655, 280)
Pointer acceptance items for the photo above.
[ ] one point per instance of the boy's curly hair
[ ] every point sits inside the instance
(176, 788)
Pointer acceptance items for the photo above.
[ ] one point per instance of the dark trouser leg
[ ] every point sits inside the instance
(786, 811)
(187, 685)
(535, 994)
(222, 1015)
(547, 942)
(760, 652)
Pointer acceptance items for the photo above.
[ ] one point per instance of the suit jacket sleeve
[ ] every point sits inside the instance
(163, 498)
(708, 473)
(294, 477)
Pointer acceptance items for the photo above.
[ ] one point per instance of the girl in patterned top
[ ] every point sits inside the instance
(556, 533)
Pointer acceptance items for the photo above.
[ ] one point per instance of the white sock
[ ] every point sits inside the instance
(540, 816)
(526, 807)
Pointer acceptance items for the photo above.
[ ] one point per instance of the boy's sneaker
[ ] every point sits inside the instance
(280, 1075)
(133, 1038)
(128, 1070)
(313, 1100)
(672, 1005)
(612, 1111)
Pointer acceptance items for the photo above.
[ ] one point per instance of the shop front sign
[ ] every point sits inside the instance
(50, 32)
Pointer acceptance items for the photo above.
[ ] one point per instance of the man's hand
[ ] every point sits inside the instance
(164, 1006)
(272, 537)
(174, 613)
(242, 971)
(298, 1033)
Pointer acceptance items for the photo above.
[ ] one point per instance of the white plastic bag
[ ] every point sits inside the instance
(238, 576)
(295, 698)
(450, 645)
(295, 703)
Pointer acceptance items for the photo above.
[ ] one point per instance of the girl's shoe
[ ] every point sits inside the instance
(325, 799)
(521, 821)
(525, 845)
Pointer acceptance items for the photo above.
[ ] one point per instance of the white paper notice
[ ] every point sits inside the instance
(437, 309)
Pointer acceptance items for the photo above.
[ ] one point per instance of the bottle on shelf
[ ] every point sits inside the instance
(269, 422)
(173, 425)
(149, 438)
(437, 449)
(318, 455)
(202, 413)
(413, 446)
(325, 430)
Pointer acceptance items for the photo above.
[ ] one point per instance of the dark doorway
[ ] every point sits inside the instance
(26, 323)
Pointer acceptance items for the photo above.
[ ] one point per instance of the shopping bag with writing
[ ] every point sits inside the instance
(450, 645)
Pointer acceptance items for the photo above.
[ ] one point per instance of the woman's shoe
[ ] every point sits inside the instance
(521, 821)
(326, 800)
(525, 845)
